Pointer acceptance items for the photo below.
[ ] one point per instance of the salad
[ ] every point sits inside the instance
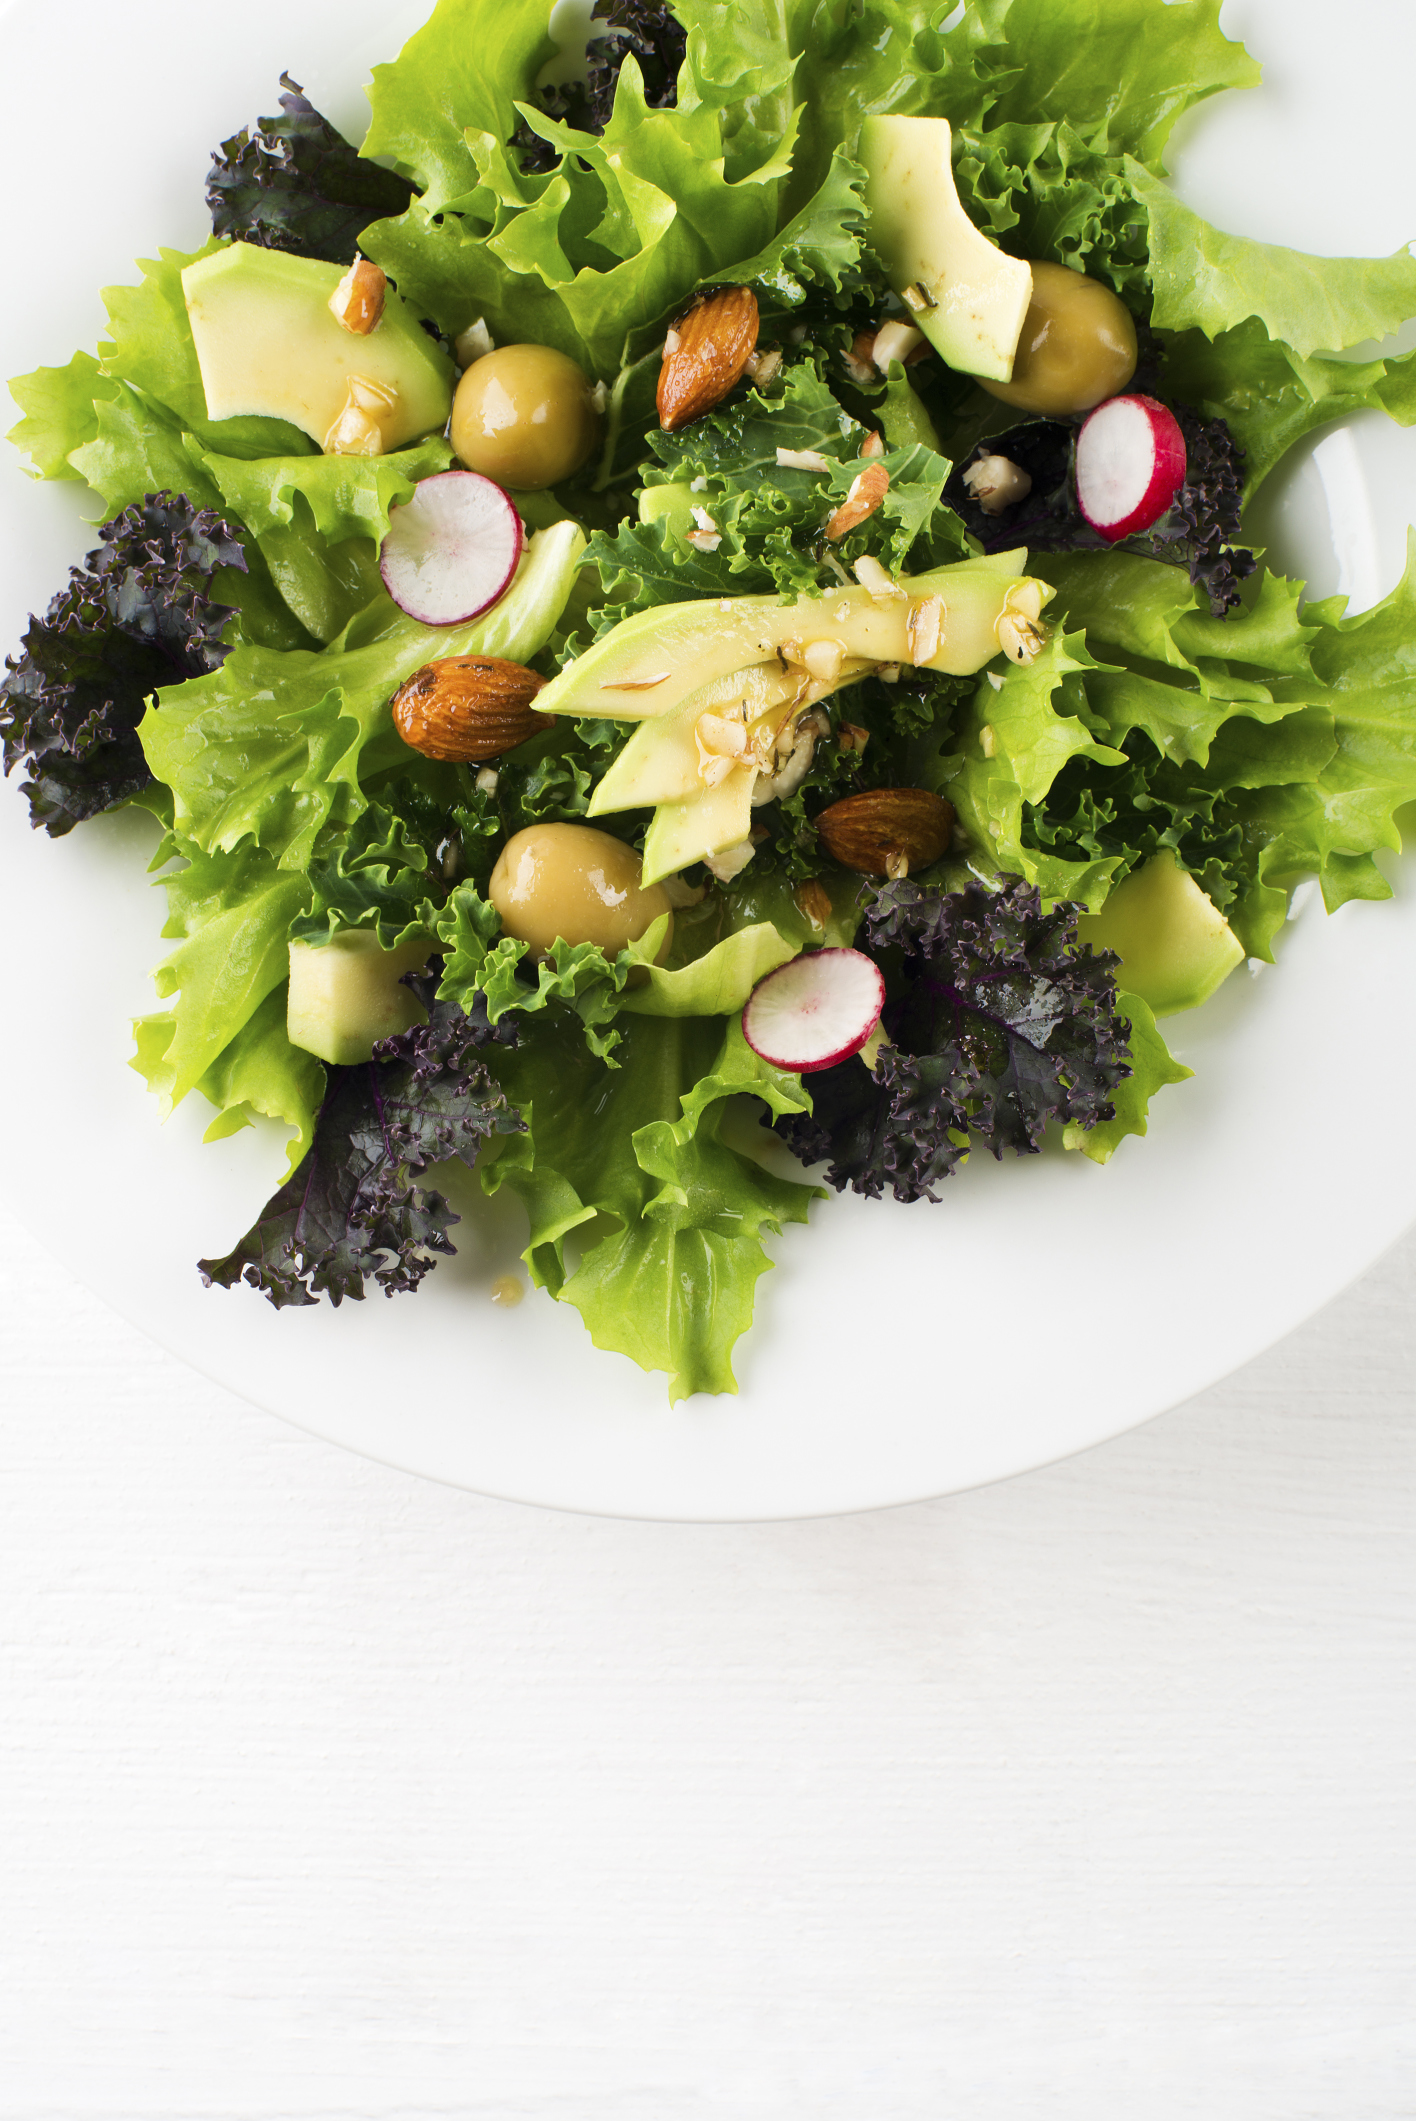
(724, 581)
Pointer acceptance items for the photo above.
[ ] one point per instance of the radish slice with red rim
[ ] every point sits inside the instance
(1130, 465)
(814, 1011)
(452, 550)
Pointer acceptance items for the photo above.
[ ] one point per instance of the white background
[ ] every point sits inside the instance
(328, 1794)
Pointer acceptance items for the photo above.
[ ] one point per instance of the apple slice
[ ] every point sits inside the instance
(1130, 466)
(814, 1011)
(452, 550)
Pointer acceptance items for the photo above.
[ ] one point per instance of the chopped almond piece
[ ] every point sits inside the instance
(868, 490)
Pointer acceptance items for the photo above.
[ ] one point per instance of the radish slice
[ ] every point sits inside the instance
(814, 1011)
(1130, 466)
(452, 550)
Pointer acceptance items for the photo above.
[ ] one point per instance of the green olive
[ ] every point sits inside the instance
(572, 883)
(524, 416)
(1078, 345)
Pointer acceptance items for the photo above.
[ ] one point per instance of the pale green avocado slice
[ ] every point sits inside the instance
(345, 994)
(647, 664)
(707, 822)
(660, 762)
(672, 504)
(975, 297)
(268, 343)
(1174, 944)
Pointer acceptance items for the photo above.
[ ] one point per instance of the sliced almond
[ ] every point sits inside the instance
(887, 831)
(895, 342)
(873, 446)
(705, 354)
(467, 708)
(924, 629)
(851, 737)
(868, 490)
(813, 901)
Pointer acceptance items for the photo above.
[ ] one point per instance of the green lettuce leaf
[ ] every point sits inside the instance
(59, 414)
(1212, 282)
(716, 984)
(1123, 70)
(668, 1218)
(233, 914)
(1153, 1066)
(348, 497)
(465, 69)
(628, 223)
(1013, 739)
(1271, 397)
(275, 745)
(260, 1074)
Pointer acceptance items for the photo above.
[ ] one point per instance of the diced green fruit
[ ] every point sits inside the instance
(267, 343)
(904, 419)
(345, 995)
(672, 505)
(979, 296)
(1174, 944)
(647, 664)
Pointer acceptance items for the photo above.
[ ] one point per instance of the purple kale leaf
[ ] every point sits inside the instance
(136, 615)
(618, 27)
(998, 1022)
(352, 1211)
(1200, 531)
(296, 184)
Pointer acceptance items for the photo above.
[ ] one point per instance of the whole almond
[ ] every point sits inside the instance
(705, 354)
(466, 709)
(887, 831)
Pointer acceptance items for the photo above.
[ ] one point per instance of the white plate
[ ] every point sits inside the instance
(898, 1352)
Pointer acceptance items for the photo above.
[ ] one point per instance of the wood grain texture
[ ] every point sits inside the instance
(325, 1793)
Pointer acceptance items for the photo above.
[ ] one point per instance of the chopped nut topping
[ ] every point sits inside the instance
(924, 629)
(358, 301)
(824, 659)
(813, 901)
(917, 297)
(672, 342)
(997, 483)
(859, 365)
(471, 344)
(873, 446)
(851, 737)
(894, 342)
(888, 673)
(896, 866)
(987, 742)
(730, 861)
(763, 367)
(358, 432)
(486, 780)
(705, 535)
(802, 460)
(1020, 640)
(868, 490)
(872, 576)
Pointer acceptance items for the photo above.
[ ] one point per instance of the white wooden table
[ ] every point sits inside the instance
(326, 1793)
